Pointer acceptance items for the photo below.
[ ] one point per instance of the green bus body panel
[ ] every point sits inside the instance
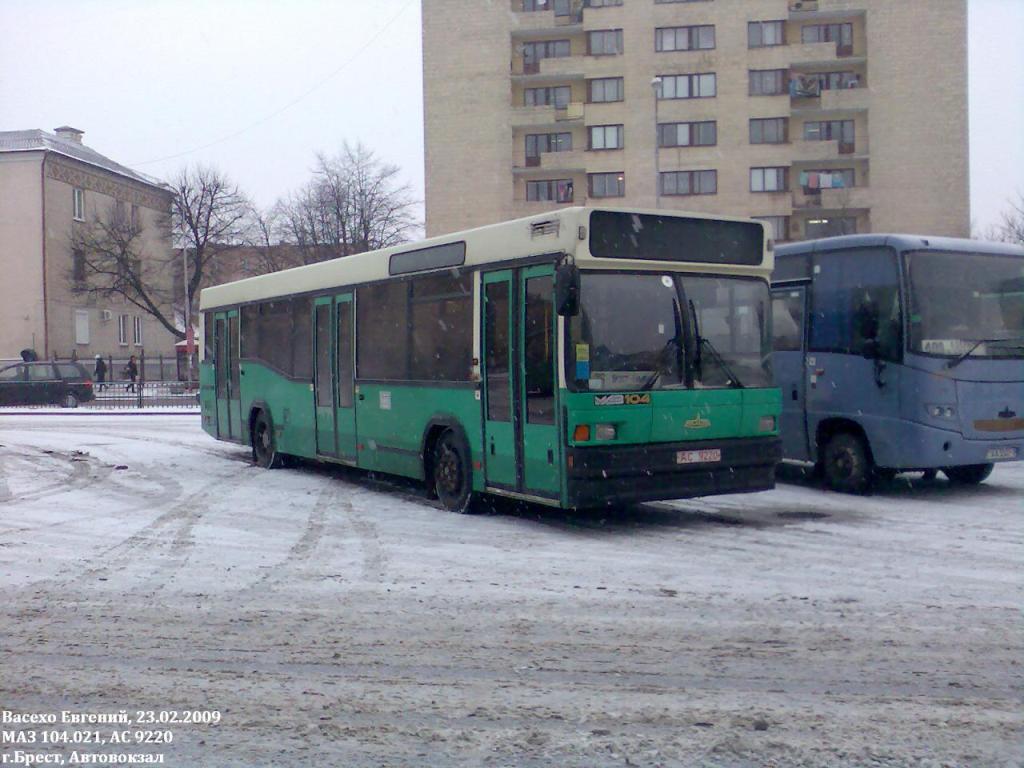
(290, 404)
(711, 413)
(542, 459)
(391, 420)
(208, 398)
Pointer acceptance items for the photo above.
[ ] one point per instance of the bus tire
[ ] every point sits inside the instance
(969, 474)
(264, 446)
(847, 464)
(453, 473)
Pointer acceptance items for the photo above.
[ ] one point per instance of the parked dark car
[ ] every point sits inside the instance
(41, 383)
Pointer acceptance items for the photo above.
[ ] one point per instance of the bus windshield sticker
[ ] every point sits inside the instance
(582, 353)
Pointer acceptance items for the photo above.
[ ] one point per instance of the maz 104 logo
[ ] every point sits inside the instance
(622, 400)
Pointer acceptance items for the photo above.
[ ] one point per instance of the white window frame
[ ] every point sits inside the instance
(599, 137)
(81, 326)
(122, 330)
(78, 204)
(769, 179)
(137, 330)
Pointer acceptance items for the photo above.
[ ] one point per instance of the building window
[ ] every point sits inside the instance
(838, 225)
(767, 82)
(841, 34)
(813, 181)
(605, 137)
(832, 130)
(78, 265)
(689, 183)
(607, 184)
(137, 331)
(769, 179)
(122, 330)
(699, 86)
(684, 38)
(549, 190)
(544, 49)
(769, 130)
(778, 227)
(763, 34)
(539, 143)
(78, 204)
(702, 134)
(604, 42)
(604, 89)
(829, 81)
(557, 96)
(602, 3)
(81, 326)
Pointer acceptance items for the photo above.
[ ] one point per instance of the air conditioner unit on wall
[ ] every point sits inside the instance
(106, 315)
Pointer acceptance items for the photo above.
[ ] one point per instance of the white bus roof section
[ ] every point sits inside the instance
(547, 233)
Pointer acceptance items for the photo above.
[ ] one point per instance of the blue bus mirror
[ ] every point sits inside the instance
(567, 290)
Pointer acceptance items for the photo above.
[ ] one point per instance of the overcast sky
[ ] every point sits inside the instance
(257, 87)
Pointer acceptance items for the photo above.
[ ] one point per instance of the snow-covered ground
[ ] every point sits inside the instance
(335, 619)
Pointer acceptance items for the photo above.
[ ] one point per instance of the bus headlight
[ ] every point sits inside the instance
(941, 411)
(605, 432)
(766, 424)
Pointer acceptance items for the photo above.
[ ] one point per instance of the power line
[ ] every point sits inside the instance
(370, 41)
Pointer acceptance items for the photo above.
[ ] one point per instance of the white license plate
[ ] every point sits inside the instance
(1001, 453)
(698, 457)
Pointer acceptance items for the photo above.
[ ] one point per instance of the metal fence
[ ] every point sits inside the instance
(162, 383)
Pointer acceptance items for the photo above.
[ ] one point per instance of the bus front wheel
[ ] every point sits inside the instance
(846, 463)
(970, 474)
(452, 473)
(264, 447)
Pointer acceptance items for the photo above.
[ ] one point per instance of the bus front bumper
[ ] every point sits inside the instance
(622, 474)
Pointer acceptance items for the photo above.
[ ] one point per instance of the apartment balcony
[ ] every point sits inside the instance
(552, 162)
(522, 208)
(563, 69)
(804, 151)
(562, 16)
(833, 100)
(539, 117)
(811, 10)
(847, 199)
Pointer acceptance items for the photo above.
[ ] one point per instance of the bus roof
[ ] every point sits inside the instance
(900, 242)
(544, 233)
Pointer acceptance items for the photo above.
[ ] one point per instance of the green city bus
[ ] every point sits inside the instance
(578, 358)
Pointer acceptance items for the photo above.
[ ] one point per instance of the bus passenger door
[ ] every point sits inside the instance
(323, 386)
(789, 310)
(500, 445)
(229, 406)
(344, 380)
(540, 446)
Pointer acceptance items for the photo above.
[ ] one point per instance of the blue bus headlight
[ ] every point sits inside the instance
(941, 411)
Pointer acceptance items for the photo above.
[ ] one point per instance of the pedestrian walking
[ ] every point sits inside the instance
(131, 371)
(99, 373)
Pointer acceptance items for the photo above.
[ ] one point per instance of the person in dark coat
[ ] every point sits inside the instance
(132, 372)
(99, 373)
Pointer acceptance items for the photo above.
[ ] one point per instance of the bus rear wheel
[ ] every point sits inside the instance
(846, 463)
(969, 474)
(264, 447)
(452, 473)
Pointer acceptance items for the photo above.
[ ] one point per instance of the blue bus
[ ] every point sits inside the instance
(899, 353)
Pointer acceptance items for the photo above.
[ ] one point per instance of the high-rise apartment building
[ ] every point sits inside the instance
(823, 117)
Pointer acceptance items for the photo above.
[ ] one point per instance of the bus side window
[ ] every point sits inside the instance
(787, 321)
(855, 300)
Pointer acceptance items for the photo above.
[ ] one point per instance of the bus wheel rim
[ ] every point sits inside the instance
(448, 471)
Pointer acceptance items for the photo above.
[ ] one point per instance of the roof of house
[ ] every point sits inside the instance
(36, 139)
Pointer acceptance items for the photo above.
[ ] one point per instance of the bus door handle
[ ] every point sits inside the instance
(794, 395)
(362, 396)
(551, 456)
(492, 446)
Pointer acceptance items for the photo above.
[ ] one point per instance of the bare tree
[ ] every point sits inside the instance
(111, 259)
(354, 203)
(211, 216)
(1011, 228)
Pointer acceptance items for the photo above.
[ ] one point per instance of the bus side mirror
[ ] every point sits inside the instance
(567, 290)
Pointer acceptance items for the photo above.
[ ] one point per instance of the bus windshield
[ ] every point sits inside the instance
(636, 332)
(966, 303)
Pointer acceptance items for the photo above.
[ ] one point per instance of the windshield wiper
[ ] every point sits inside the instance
(734, 380)
(662, 363)
(1015, 342)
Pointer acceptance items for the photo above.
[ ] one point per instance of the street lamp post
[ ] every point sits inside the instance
(656, 89)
